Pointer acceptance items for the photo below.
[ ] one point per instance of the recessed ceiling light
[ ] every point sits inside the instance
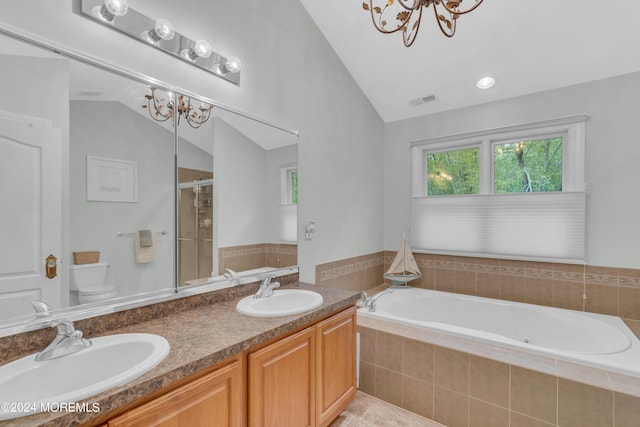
(486, 82)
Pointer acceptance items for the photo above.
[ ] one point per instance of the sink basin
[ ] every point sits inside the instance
(110, 362)
(282, 303)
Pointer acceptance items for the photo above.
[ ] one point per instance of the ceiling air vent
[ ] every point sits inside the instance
(90, 92)
(425, 99)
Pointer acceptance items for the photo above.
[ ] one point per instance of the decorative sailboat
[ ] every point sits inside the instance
(404, 267)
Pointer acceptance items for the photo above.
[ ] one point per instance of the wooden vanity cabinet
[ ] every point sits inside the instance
(335, 365)
(306, 379)
(281, 385)
(213, 400)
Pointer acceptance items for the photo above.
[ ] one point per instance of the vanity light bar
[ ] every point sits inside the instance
(161, 35)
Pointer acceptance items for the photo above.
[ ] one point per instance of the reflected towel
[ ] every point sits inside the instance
(144, 253)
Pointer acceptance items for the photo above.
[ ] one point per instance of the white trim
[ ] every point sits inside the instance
(521, 127)
(31, 121)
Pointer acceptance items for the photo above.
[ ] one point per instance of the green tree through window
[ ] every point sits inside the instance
(453, 172)
(528, 166)
(294, 187)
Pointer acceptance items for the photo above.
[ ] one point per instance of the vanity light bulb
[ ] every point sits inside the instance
(233, 64)
(117, 7)
(110, 10)
(162, 30)
(202, 49)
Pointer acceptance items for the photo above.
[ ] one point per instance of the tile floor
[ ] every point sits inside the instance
(369, 411)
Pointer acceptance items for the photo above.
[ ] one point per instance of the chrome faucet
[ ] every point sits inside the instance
(231, 276)
(266, 288)
(68, 341)
(370, 302)
(42, 308)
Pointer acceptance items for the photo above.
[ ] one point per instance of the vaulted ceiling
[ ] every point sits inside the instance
(530, 46)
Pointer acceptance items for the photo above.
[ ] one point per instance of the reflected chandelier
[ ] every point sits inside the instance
(162, 109)
(405, 15)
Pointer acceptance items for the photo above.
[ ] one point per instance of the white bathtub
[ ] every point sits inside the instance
(584, 338)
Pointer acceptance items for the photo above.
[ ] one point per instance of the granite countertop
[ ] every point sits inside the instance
(199, 338)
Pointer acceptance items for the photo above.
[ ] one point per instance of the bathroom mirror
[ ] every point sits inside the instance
(241, 216)
(115, 167)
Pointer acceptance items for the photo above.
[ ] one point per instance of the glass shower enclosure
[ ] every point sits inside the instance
(195, 230)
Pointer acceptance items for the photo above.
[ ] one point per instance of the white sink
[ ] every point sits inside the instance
(110, 362)
(282, 303)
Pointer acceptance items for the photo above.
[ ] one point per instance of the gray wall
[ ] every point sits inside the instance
(612, 147)
(108, 129)
(290, 76)
(274, 160)
(240, 198)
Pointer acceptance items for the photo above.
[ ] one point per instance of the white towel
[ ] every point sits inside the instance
(144, 254)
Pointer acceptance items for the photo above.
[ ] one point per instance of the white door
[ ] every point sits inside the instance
(30, 214)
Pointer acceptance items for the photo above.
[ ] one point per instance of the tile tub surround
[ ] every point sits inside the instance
(200, 336)
(356, 274)
(604, 290)
(461, 382)
(249, 257)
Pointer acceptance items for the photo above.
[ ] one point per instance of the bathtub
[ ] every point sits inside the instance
(511, 328)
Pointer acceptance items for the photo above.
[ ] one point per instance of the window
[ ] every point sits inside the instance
(528, 165)
(515, 192)
(288, 209)
(289, 184)
(454, 172)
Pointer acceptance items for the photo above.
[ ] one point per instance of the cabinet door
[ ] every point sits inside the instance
(214, 400)
(336, 365)
(282, 383)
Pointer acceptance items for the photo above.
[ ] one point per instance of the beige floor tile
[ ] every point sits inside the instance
(368, 411)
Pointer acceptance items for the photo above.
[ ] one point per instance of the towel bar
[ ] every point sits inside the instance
(121, 234)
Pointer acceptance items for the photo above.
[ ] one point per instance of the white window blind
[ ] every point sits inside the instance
(531, 226)
(288, 223)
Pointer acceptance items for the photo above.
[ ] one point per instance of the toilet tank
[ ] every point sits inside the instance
(83, 275)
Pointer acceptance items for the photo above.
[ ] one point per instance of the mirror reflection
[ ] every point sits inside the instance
(241, 219)
(88, 162)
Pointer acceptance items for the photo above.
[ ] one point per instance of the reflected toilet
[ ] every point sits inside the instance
(88, 280)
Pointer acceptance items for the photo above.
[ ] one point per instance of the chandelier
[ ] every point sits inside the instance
(162, 109)
(405, 15)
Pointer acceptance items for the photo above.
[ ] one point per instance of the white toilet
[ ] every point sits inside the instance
(89, 281)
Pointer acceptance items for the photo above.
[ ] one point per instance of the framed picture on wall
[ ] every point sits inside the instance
(111, 180)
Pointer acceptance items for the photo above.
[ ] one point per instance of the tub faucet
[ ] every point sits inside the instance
(266, 288)
(68, 341)
(370, 302)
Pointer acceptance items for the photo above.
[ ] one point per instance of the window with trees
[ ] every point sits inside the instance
(288, 209)
(514, 192)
